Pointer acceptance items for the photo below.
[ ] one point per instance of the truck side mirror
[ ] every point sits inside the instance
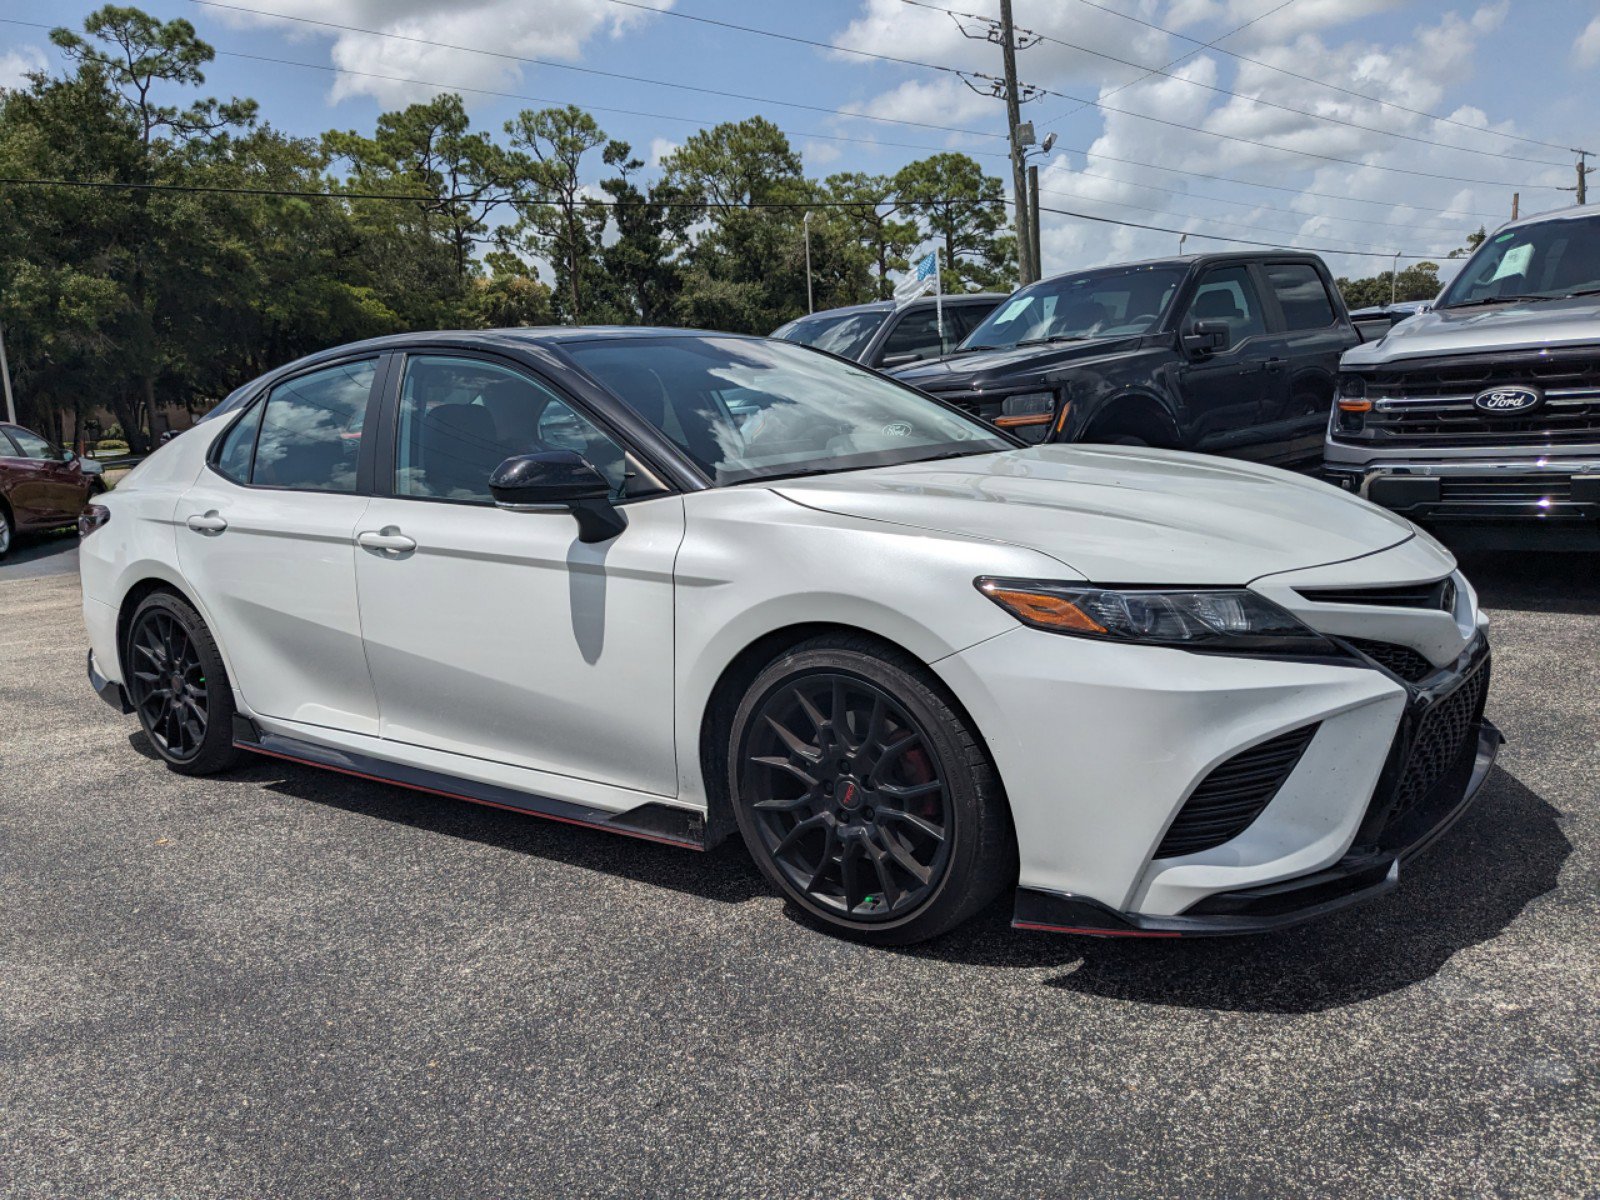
(1206, 337)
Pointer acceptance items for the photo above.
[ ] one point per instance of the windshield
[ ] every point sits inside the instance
(744, 409)
(1542, 261)
(1118, 302)
(844, 334)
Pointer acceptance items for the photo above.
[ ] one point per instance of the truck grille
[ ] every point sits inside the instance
(1430, 402)
(1233, 794)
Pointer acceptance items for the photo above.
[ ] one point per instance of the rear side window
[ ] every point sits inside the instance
(310, 436)
(1302, 296)
(918, 333)
(233, 459)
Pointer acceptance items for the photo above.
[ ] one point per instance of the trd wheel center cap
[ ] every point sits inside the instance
(848, 794)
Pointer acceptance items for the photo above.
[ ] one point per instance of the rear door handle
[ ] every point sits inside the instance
(211, 522)
(388, 540)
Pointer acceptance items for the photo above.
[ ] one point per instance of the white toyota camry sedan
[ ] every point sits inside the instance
(676, 584)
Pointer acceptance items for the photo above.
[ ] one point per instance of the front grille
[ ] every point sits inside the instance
(1440, 740)
(1430, 401)
(1233, 794)
(1440, 594)
(1402, 660)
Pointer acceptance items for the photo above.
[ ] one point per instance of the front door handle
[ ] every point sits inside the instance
(1275, 364)
(210, 522)
(388, 540)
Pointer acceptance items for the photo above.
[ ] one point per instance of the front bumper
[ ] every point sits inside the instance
(1535, 487)
(112, 693)
(1363, 874)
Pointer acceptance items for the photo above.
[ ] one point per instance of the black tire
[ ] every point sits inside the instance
(902, 767)
(178, 686)
(8, 531)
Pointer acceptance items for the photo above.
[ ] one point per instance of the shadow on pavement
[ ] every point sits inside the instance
(37, 554)
(724, 874)
(1466, 889)
(1562, 583)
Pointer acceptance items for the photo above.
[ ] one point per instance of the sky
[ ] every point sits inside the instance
(1135, 90)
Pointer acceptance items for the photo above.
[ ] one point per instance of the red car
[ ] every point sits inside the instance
(41, 486)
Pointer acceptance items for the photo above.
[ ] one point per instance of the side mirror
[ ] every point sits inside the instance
(559, 479)
(69, 456)
(899, 360)
(1207, 337)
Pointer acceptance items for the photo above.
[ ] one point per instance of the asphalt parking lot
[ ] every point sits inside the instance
(289, 983)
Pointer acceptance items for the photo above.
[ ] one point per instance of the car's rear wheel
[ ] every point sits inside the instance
(864, 796)
(178, 686)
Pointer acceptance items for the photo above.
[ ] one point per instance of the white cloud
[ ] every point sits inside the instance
(1271, 200)
(15, 65)
(1586, 51)
(660, 148)
(548, 29)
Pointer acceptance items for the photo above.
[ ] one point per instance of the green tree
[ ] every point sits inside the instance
(965, 211)
(641, 266)
(876, 220)
(1417, 282)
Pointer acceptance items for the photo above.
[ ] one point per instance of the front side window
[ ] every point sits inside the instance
(310, 438)
(844, 334)
(31, 445)
(1229, 294)
(1545, 261)
(460, 418)
(1301, 295)
(918, 335)
(1122, 302)
(744, 409)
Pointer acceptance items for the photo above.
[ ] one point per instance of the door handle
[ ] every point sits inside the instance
(1275, 364)
(388, 540)
(211, 522)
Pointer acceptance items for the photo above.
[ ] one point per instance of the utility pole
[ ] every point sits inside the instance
(1033, 220)
(1583, 177)
(5, 374)
(1394, 278)
(806, 222)
(1516, 203)
(1008, 48)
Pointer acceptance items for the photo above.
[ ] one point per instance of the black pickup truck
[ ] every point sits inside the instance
(1232, 354)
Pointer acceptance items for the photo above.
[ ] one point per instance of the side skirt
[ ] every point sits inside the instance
(652, 822)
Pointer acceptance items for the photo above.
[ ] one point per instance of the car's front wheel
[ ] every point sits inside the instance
(864, 796)
(7, 531)
(178, 686)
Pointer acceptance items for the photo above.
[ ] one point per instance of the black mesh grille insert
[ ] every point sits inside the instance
(1234, 794)
(1441, 739)
(1402, 660)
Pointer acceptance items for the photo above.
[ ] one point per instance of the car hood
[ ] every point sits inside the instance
(1528, 325)
(983, 369)
(1120, 514)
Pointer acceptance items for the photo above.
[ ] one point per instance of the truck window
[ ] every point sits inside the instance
(1228, 294)
(918, 333)
(1302, 296)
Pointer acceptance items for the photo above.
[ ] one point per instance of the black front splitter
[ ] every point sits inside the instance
(1353, 880)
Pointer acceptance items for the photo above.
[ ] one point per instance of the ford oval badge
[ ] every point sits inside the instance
(1508, 401)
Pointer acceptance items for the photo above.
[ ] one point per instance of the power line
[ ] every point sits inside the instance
(1256, 62)
(1166, 72)
(659, 83)
(561, 66)
(522, 201)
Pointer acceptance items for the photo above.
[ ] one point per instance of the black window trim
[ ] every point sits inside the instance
(380, 359)
(387, 447)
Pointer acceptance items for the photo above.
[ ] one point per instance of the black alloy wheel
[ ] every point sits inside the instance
(863, 796)
(178, 687)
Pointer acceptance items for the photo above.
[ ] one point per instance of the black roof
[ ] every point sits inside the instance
(1187, 261)
(891, 306)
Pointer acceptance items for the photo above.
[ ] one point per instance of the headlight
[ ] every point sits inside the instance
(93, 517)
(1230, 620)
(1026, 408)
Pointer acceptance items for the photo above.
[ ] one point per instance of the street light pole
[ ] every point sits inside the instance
(806, 221)
(5, 374)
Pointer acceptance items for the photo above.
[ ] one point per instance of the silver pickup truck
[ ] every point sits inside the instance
(1488, 405)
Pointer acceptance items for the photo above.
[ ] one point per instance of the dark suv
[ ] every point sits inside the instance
(1225, 353)
(883, 335)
